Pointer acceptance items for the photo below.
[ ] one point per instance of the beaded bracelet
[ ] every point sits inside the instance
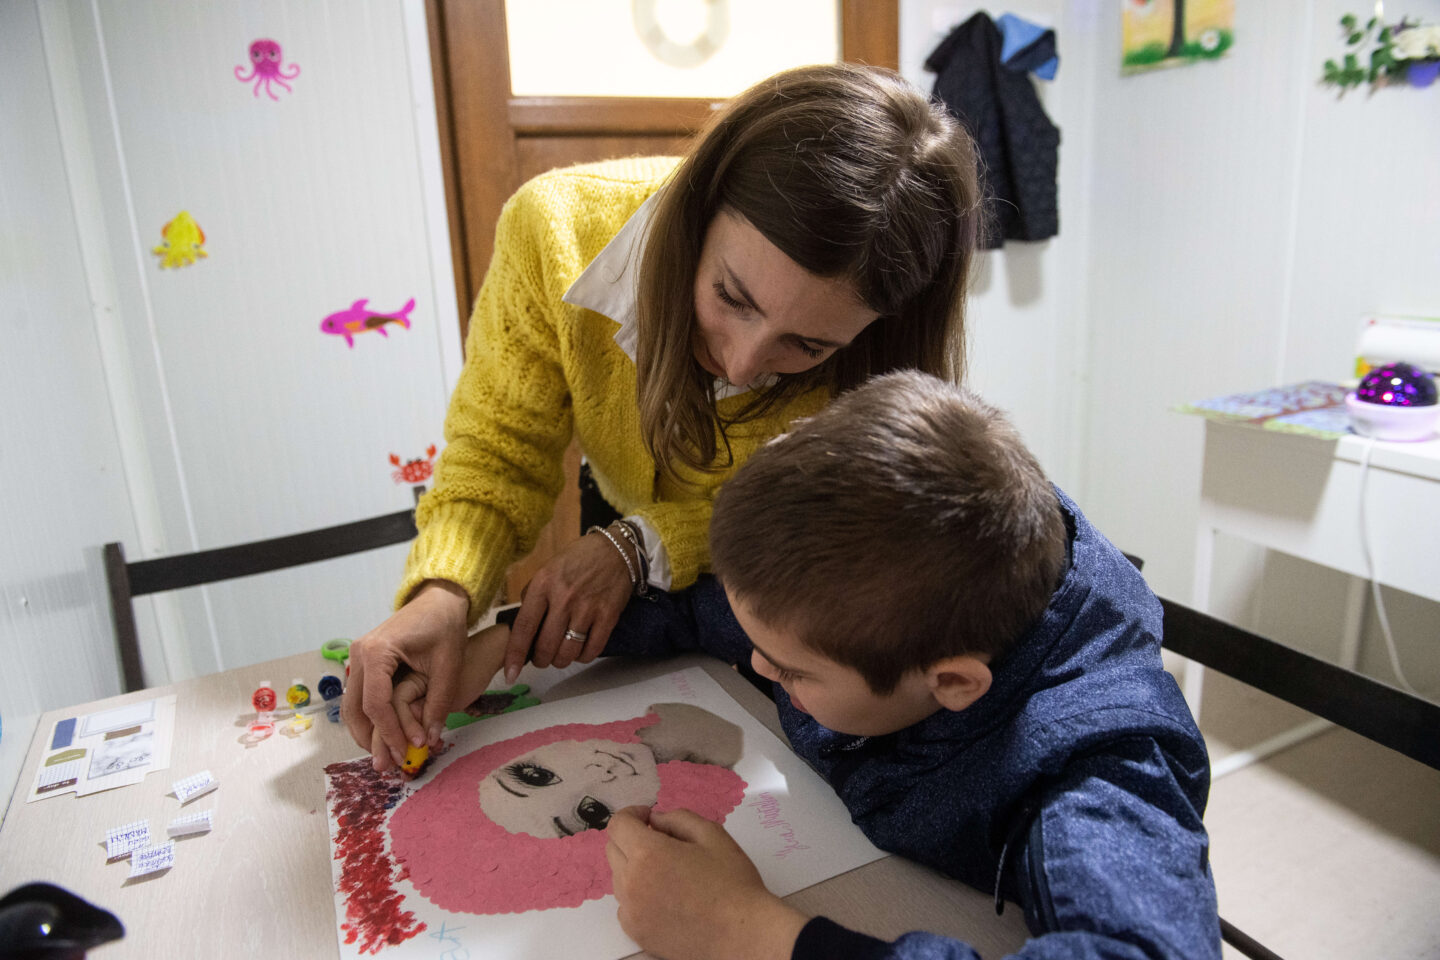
(634, 577)
(630, 530)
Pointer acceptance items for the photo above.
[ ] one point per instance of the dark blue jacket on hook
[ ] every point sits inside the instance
(1074, 787)
(1019, 145)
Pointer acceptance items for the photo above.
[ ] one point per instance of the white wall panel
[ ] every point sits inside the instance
(1192, 207)
(1026, 322)
(1245, 217)
(255, 423)
(1367, 233)
(61, 480)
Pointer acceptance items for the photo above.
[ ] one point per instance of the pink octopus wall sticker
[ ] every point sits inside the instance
(359, 318)
(267, 68)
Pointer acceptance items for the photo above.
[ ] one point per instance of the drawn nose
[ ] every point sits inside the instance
(594, 814)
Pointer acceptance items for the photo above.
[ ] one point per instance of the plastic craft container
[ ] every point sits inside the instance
(1386, 422)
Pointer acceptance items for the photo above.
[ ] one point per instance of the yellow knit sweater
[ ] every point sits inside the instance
(537, 369)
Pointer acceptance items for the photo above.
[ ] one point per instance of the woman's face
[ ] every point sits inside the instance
(563, 788)
(760, 313)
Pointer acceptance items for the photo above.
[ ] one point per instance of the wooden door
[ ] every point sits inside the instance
(492, 141)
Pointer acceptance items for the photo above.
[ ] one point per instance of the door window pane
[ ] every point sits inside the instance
(662, 48)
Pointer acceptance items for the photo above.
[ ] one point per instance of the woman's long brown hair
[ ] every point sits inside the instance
(852, 173)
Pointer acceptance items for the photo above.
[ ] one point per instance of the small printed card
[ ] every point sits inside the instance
(196, 786)
(148, 860)
(104, 750)
(202, 821)
(120, 841)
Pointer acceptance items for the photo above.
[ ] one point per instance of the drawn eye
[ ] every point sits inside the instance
(594, 814)
(532, 775)
(274, 55)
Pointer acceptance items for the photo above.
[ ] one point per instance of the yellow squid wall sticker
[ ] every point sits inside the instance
(184, 242)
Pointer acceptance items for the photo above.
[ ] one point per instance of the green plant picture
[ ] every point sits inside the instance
(1383, 54)
(1171, 33)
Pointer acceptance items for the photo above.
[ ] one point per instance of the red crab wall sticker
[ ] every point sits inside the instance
(414, 472)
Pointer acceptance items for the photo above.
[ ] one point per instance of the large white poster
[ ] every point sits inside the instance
(495, 849)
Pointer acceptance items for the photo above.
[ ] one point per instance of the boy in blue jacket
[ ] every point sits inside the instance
(972, 667)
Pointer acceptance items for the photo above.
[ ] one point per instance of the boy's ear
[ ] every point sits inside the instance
(957, 682)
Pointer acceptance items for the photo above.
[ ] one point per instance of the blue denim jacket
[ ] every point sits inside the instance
(1075, 786)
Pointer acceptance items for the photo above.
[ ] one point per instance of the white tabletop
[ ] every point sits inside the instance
(1420, 459)
(259, 885)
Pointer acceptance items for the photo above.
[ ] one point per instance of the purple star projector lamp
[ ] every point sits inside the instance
(1395, 402)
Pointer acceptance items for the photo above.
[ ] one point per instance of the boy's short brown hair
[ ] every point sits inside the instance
(904, 523)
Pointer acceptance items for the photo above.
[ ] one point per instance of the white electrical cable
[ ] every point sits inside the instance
(1375, 573)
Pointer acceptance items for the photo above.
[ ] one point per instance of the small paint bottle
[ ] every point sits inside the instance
(298, 695)
(330, 690)
(264, 701)
(330, 687)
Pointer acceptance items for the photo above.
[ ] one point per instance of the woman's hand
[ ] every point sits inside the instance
(427, 637)
(688, 892)
(582, 588)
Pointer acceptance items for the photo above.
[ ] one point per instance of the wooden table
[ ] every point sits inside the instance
(259, 885)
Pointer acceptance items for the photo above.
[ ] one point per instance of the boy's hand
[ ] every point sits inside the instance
(480, 662)
(688, 892)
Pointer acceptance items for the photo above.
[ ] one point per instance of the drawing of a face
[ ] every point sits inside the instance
(462, 850)
(570, 786)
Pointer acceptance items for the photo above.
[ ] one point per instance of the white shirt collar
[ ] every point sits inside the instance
(607, 286)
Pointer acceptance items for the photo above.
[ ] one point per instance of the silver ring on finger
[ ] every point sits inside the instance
(577, 635)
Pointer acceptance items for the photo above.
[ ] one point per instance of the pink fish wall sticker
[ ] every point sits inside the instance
(359, 318)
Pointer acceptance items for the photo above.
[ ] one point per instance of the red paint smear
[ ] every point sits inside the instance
(359, 798)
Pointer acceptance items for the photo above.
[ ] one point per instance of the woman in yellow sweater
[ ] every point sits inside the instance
(674, 316)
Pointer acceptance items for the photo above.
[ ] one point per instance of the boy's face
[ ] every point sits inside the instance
(837, 696)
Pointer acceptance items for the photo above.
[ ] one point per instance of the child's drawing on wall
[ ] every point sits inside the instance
(1169, 33)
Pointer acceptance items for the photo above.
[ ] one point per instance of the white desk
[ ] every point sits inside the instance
(260, 884)
(1301, 496)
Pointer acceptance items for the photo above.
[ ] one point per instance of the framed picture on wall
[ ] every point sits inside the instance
(1169, 33)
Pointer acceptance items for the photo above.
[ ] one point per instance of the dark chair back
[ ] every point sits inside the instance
(134, 579)
(1390, 717)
